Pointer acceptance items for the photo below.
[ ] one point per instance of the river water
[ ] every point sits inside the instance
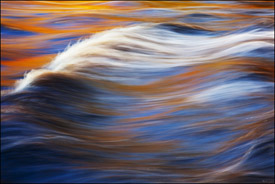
(183, 92)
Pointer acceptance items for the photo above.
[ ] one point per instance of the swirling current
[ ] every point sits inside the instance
(137, 92)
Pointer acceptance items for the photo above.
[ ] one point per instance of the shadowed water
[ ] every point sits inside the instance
(145, 92)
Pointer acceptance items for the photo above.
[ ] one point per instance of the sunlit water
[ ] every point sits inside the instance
(183, 92)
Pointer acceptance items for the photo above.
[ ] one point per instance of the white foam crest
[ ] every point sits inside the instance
(152, 48)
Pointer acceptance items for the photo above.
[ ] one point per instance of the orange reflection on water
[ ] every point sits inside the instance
(50, 20)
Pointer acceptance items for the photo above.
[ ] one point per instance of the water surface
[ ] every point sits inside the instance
(188, 99)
